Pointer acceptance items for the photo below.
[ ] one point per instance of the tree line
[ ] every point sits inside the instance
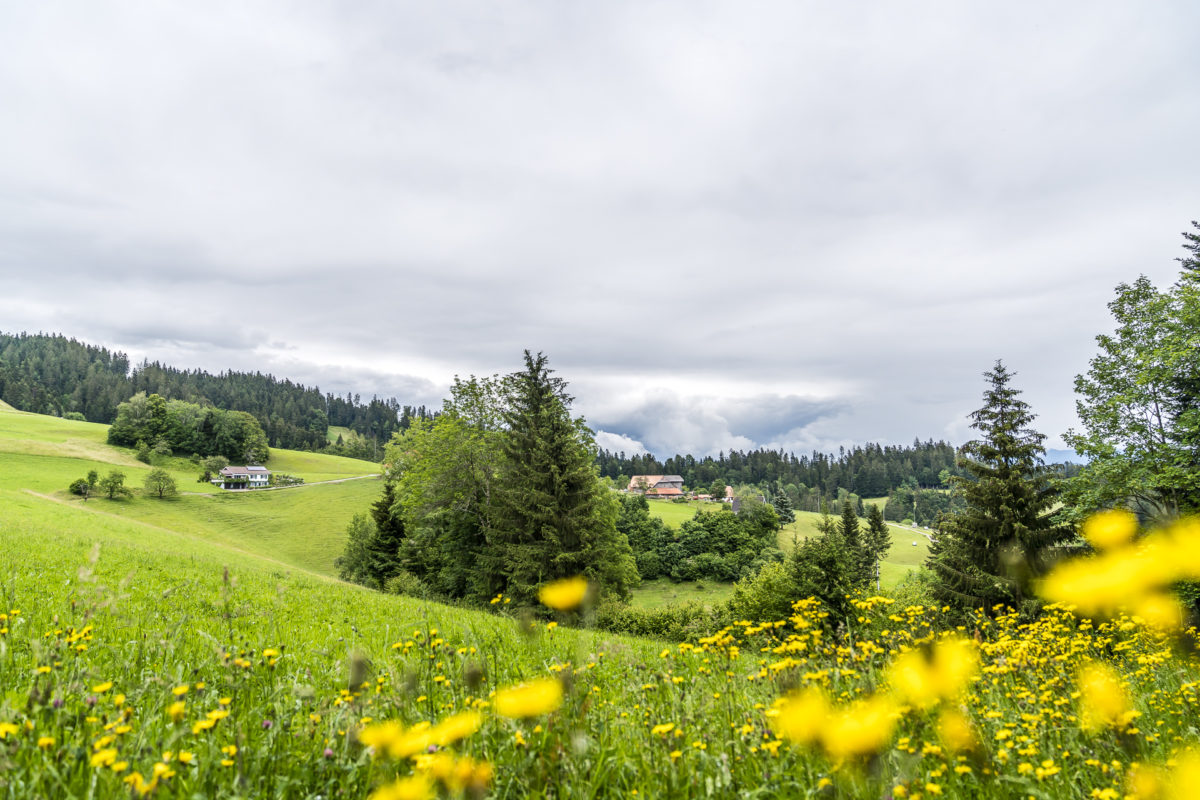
(870, 470)
(51, 374)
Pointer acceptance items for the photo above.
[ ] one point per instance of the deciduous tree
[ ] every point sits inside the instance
(160, 483)
(1139, 402)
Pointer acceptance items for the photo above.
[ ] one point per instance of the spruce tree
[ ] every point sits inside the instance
(989, 553)
(877, 541)
(852, 538)
(783, 507)
(554, 517)
(383, 547)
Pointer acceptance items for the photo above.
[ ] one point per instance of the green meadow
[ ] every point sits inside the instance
(199, 648)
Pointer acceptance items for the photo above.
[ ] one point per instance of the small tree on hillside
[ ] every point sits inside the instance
(988, 554)
(354, 564)
(160, 483)
(783, 507)
(113, 485)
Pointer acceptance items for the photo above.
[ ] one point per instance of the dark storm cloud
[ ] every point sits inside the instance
(797, 225)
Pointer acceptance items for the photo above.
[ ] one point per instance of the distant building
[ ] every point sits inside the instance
(656, 485)
(242, 478)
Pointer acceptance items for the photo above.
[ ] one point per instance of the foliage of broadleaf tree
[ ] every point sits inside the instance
(1139, 402)
(113, 485)
(445, 469)
(989, 553)
(159, 483)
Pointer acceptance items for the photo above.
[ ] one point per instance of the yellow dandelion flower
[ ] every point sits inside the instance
(45, 742)
(101, 688)
(6, 728)
(459, 726)
(415, 787)
(564, 595)
(955, 731)
(105, 757)
(530, 699)
(862, 728)
(1103, 698)
(925, 677)
(180, 691)
(799, 718)
(176, 710)
(1110, 529)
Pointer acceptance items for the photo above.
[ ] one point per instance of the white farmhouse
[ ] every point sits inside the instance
(243, 478)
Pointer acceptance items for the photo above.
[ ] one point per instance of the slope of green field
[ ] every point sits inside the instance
(303, 526)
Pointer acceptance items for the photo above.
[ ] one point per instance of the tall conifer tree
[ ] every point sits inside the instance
(988, 554)
(383, 547)
(554, 517)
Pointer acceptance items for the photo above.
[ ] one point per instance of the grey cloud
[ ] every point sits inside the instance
(752, 204)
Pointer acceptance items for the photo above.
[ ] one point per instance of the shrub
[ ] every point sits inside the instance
(765, 596)
(80, 487)
(686, 622)
(407, 584)
(75, 416)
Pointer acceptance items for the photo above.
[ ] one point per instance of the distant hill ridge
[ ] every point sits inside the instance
(52, 374)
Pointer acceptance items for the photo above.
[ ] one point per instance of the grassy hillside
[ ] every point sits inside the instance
(302, 527)
(142, 658)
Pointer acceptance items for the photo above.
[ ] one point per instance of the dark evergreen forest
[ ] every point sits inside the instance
(51, 374)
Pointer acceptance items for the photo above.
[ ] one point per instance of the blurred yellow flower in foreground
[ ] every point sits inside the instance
(860, 728)
(529, 699)
(1104, 703)
(1134, 577)
(415, 787)
(926, 676)
(1110, 529)
(564, 595)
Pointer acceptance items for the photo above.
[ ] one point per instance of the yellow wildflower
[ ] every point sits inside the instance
(924, 677)
(101, 688)
(1102, 697)
(176, 710)
(862, 728)
(530, 699)
(45, 742)
(459, 726)
(415, 787)
(800, 717)
(564, 595)
(1110, 529)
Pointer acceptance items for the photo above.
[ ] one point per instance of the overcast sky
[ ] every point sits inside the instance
(729, 225)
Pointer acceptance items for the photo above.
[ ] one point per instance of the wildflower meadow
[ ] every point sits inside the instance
(138, 664)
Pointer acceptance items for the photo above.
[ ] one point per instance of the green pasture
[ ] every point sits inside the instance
(303, 526)
(662, 592)
(674, 514)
